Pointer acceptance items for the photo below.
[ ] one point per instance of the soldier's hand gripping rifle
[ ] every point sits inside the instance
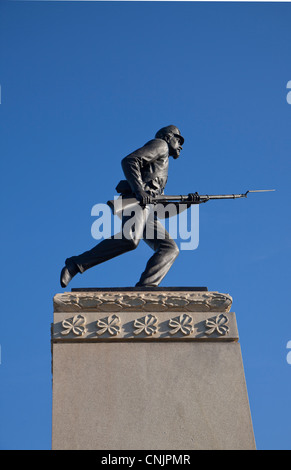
(129, 203)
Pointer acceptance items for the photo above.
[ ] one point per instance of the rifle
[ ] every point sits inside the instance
(129, 203)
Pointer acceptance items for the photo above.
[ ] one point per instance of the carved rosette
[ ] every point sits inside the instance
(183, 324)
(148, 325)
(75, 325)
(110, 325)
(217, 325)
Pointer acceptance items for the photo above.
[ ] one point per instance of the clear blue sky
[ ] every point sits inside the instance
(83, 85)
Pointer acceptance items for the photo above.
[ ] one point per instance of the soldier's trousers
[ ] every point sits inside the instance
(143, 226)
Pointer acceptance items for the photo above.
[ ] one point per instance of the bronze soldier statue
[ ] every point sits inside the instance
(146, 172)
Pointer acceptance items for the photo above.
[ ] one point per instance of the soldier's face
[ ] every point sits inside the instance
(175, 146)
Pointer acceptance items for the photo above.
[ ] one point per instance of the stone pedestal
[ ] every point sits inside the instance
(156, 369)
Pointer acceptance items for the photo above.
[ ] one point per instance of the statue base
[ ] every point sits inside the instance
(153, 369)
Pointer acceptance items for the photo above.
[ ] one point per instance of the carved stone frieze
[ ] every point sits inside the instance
(94, 326)
(142, 301)
(143, 316)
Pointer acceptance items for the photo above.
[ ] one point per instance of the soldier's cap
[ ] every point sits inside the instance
(169, 130)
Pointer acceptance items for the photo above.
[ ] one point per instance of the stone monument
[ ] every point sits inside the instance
(148, 369)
